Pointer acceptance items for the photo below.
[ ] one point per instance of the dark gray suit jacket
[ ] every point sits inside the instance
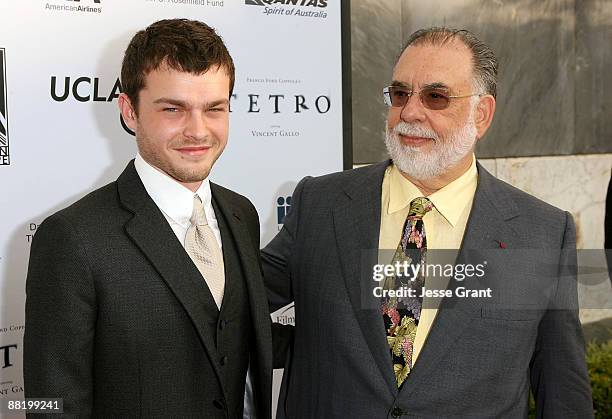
(480, 358)
(116, 313)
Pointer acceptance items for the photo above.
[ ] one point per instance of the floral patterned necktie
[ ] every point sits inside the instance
(401, 314)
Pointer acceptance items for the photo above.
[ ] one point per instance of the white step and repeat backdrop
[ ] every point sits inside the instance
(60, 133)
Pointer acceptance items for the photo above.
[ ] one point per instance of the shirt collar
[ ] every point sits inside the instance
(172, 198)
(450, 201)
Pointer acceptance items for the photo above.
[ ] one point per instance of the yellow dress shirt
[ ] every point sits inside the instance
(444, 226)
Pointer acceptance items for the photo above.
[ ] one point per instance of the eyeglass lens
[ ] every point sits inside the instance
(432, 98)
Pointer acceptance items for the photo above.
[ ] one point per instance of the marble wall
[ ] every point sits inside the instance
(592, 72)
(555, 93)
(374, 53)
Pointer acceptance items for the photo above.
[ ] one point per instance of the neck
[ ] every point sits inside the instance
(431, 185)
(192, 186)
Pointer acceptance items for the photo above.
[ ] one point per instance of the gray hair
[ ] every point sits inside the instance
(483, 58)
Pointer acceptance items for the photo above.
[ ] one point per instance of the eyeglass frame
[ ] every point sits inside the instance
(389, 103)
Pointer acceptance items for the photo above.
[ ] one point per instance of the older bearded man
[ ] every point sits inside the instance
(362, 354)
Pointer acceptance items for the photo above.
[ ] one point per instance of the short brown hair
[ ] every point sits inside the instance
(181, 44)
(483, 58)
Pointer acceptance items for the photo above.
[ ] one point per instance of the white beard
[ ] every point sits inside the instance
(445, 152)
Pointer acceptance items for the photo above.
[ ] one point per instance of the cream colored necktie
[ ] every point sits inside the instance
(203, 248)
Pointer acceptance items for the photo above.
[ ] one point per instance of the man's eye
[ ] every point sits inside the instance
(437, 94)
(400, 93)
(170, 110)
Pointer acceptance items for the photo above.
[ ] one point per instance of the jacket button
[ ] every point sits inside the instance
(396, 412)
(222, 324)
(224, 360)
(219, 404)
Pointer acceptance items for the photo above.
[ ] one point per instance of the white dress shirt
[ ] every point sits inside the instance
(176, 201)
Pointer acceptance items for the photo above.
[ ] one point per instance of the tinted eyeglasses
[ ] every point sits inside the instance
(433, 98)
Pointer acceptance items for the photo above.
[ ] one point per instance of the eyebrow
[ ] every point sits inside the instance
(184, 104)
(434, 85)
(397, 83)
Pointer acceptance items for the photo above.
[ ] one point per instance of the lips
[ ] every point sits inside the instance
(193, 151)
(414, 141)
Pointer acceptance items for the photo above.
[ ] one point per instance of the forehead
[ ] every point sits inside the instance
(450, 64)
(166, 79)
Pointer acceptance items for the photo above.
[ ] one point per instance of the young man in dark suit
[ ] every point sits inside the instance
(145, 297)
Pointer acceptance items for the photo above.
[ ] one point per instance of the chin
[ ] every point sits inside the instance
(422, 172)
(188, 174)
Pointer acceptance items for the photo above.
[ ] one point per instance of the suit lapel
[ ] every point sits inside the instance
(150, 231)
(486, 226)
(357, 226)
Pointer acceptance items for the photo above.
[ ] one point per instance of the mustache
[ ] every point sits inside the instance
(191, 143)
(413, 130)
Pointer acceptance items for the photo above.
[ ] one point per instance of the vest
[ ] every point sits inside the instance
(233, 328)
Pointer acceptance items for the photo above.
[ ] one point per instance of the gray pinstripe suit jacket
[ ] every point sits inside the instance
(480, 359)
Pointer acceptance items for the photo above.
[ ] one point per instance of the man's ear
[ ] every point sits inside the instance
(484, 114)
(128, 113)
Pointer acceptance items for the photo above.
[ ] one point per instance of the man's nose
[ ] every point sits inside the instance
(413, 110)
(196, 126)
